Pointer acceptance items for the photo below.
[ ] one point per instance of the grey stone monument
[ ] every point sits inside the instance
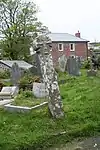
(73, 66)
(15, 74)
(79, 62)
(62, 63)
(50, 79)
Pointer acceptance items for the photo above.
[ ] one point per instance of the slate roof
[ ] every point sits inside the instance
(22, 64)
(65, 37)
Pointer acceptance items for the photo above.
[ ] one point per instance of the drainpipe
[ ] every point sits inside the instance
(87, 50)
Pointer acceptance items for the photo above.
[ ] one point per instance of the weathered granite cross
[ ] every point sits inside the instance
(50, 79)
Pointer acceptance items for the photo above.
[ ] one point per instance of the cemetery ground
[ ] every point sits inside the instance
(38, 130)
(27, 99)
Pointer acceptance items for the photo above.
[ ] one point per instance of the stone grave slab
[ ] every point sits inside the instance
(9, 92)
(5, 102)
(23, 109)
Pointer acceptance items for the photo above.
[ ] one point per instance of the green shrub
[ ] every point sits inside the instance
(5, 75)
(25, 94)
(27, 80)
(86, 64)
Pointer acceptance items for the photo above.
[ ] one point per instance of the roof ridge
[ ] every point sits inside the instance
(68, 34)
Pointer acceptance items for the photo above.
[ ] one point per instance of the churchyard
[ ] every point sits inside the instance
(26, 122)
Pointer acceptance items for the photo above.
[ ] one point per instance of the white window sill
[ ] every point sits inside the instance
(60, 50)
(72, 50)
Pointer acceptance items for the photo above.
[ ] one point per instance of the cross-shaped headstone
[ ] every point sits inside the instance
(15, 74)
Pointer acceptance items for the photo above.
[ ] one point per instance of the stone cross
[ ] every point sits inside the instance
(50, 79)
(15, 74)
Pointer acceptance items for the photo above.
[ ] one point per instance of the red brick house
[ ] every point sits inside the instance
(70, 45)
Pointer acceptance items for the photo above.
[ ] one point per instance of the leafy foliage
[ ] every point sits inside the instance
(18, 26)
(27, 80)
(5, 74)
(86, 64)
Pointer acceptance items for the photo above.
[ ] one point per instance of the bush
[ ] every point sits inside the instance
(26, 81)
(86, 64)
(25, 94)
(5, 75)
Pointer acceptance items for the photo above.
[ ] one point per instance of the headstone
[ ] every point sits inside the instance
(15, 74)
(62, 63)
(79, 62)
(73, 66)
(39, 90)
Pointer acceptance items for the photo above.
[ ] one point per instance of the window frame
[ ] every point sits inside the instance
(62, 47)
(73, 47)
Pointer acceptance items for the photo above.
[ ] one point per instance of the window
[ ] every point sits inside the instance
(60, 47)
(72, 47)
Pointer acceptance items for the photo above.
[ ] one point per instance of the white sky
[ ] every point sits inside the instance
(69, 16)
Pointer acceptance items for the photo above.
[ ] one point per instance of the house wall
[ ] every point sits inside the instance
(80, 50)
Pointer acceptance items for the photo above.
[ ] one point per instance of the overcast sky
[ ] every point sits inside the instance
(69, 16)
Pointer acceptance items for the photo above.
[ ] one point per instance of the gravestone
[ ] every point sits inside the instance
(50, 79)
(73, 66)
(15, 74)
(39, 90)
(62, 63)
(79, 62)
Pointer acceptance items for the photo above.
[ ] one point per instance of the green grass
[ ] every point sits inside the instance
(36, 130)
(27, 99)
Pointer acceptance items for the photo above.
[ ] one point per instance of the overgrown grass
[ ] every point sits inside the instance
(27, 99)
(36, 130)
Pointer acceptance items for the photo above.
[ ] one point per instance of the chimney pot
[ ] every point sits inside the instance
(78, 34)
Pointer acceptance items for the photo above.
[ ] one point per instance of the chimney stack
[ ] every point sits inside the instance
(78, 34)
